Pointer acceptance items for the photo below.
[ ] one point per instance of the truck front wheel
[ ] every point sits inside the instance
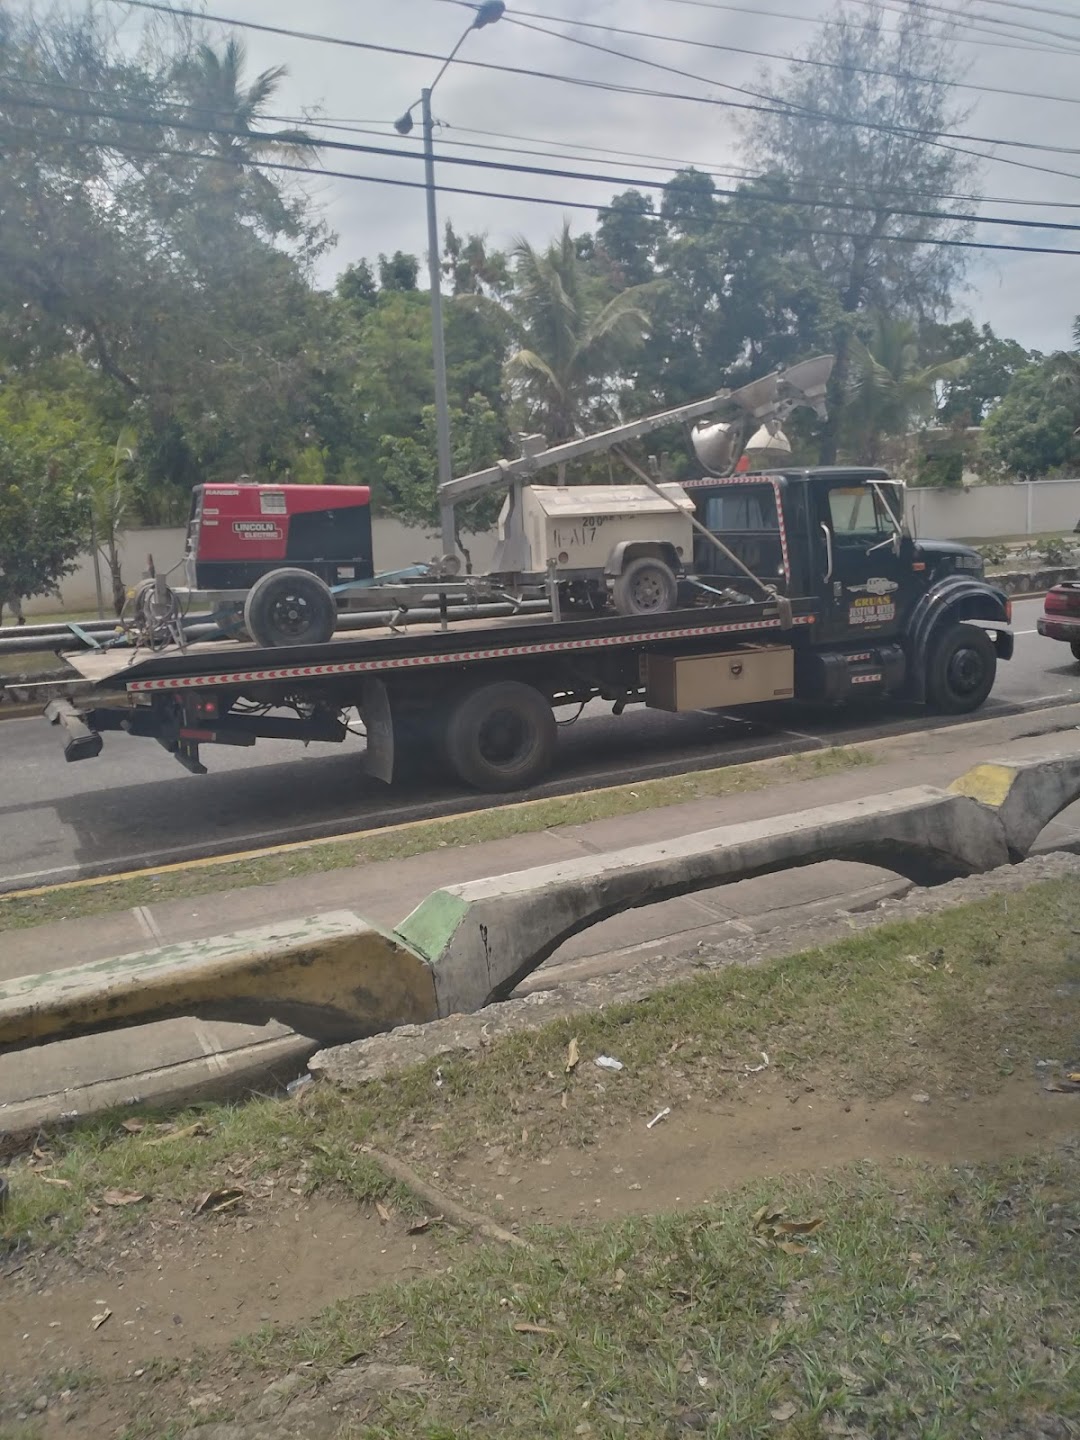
(290, 607)
(501, 737)
(961, 670)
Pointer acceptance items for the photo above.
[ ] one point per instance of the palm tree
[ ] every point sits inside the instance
(570, 342)
(889, 389)
(228, 113)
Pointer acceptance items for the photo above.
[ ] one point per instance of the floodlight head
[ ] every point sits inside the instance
(405, 124)
(488, 13)
(760, 397)
(768, 445)
(807, 382)
(714, 445)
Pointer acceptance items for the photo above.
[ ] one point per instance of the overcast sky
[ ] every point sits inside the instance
(1031, 297)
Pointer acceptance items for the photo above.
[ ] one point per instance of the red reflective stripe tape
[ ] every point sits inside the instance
(453, 658)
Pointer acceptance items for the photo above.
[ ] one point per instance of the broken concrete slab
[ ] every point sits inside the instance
(331, 974)
(383, 1056)
(484, 937)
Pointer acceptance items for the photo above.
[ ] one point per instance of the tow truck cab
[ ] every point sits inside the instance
(885, 598)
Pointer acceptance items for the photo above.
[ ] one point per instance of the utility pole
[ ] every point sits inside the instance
(487, 13)
(438, 336)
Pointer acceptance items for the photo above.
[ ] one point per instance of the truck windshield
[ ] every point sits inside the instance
(862, 512)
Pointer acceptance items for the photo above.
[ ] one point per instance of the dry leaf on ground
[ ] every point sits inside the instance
(217, 1200)
(187, 1133)
(573, 1056)
(122, 1197)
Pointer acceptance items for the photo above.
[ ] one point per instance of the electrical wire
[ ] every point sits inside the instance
(318, 171)
(741, 174)
(785, 59)
(999, 44)
(579, 81)
(545, 172)
(796, 111)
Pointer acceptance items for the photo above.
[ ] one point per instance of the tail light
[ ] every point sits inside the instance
(1062, 602)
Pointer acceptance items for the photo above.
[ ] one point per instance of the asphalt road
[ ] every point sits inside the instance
(134, 806)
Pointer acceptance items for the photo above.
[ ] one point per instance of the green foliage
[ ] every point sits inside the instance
(408, 467)
(890, 388)
(874, 258)
(994, 553)
(992, 364)
(940, 472)
(51, 459)
(570, 338)
(1033, 430)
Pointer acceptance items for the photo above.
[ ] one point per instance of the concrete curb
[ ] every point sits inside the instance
(332, 974)
(381, 1057)
(335, 977)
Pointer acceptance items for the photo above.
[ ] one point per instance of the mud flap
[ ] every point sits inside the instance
(379, 724)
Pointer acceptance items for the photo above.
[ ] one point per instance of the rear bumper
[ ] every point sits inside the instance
(1058, 627)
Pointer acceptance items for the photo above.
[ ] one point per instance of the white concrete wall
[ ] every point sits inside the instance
(982, 512)
(986, 512)
(396, 546)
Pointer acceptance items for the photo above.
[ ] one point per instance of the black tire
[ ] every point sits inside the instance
(501, 737)
(646, 587)
(1074, 646)
(961, 670)
(290, 607)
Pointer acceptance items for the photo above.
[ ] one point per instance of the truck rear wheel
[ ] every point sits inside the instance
(501, 737)
(290, 607)
(646, 587)
(961, 670)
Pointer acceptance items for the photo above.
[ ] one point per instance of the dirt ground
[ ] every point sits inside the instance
(184, 1288)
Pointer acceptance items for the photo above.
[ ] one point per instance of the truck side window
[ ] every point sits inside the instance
(753, 508)
(858, 517)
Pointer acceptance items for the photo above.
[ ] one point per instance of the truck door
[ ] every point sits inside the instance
(866, 583)
(744, 516)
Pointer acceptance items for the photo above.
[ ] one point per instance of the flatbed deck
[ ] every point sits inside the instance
(228, 662)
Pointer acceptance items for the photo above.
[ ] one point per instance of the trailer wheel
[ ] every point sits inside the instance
(646, 587)
(961, 670)
(501, 737)
(290, 607)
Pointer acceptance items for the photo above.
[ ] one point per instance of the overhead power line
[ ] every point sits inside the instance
(1001, 26)
(786, 108)
(544, 172)
(578, 81)
(998, 44)
(774, 55)
(669, 163)
(547, 172)
(309, 171)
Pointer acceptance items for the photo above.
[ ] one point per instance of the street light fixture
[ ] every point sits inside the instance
(486, 14)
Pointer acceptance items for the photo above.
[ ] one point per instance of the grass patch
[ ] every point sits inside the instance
(933, 1304)
(79, 900)
(958, 1000)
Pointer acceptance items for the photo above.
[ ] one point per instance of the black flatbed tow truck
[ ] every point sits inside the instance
(848, 603)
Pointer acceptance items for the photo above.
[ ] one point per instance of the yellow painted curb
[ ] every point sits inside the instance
(988, 783)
